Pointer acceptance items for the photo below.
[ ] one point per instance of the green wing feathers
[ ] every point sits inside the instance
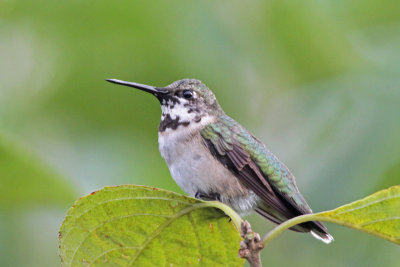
(260, 171)
(227, 134)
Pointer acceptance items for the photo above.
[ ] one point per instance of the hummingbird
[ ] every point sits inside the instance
(212, 157)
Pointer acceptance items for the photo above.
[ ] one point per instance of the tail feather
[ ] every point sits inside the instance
(319, 231)
(324, 237)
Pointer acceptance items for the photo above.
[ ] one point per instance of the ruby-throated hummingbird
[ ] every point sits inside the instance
(212, 157)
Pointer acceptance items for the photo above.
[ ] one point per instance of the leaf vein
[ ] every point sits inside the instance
(122, 199)
(367, 204)
(108, 251)
(165, 224)
(108, 221)
(197, 236)
(223, 238)
(381, 220)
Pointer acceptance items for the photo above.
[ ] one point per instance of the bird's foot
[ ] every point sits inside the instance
(251, 245)
(207, 196)
(210, 197)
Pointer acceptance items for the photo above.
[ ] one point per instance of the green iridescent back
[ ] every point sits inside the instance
(226, 131)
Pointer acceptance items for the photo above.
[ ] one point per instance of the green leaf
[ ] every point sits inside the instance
(24, 181)
(141, 226)
(377, 214)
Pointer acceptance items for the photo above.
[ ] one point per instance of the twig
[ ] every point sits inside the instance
(251, 245)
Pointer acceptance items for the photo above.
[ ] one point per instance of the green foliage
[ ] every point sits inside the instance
(377, 214)
(25, 182)
(316, 81)
(28, 190)
(142, 226)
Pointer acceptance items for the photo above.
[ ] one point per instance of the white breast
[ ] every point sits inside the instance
(195, 169)
(186, 157)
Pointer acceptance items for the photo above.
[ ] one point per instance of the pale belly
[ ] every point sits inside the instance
(195, 169)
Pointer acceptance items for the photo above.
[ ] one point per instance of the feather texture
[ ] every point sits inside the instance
(260, 171)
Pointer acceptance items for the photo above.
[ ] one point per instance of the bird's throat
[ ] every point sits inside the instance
(167, 122)
(178, 113)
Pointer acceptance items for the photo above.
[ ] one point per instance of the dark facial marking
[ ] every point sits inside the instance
(191, 108)
(173, 99)
(168, 122)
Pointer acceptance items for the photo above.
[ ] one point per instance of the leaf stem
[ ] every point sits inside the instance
(237, 221)
(287, 224)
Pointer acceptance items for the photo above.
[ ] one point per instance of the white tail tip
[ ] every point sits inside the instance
(326, 238)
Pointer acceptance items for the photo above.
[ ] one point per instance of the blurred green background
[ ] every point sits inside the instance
(317, 81)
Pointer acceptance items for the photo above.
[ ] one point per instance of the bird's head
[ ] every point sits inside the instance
(182, 102)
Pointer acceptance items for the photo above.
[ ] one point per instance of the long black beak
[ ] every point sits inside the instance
(147, 88)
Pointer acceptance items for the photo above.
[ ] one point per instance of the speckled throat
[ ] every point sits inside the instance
(177, 112)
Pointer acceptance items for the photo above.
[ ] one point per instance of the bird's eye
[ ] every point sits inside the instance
(187, 94)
